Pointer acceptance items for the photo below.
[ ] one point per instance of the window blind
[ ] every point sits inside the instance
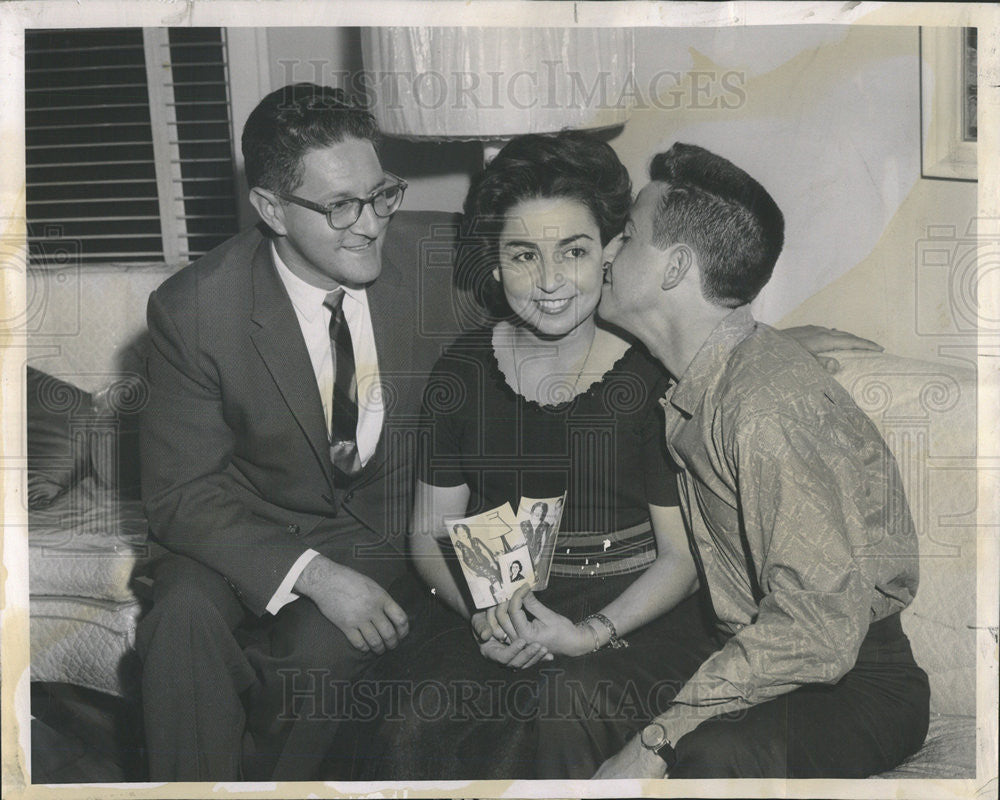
(129, 145)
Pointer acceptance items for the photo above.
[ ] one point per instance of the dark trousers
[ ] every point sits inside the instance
(228, 696)
(868, 722)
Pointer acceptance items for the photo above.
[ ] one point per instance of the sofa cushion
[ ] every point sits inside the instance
(926, 412)
(948, 752)
(58, 417)
(85, 643)
(86, 544)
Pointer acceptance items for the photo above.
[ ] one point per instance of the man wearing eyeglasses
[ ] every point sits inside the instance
(270, 471)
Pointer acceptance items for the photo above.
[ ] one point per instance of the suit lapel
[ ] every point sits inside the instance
(279, 342)
(387, 301)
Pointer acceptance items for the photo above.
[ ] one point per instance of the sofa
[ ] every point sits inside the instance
(89, 552)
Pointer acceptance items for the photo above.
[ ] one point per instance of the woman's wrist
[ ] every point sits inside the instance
(605, 632)
(589, 639)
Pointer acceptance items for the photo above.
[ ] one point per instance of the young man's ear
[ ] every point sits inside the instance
(680, 258)
(269, 209)
(611, 249)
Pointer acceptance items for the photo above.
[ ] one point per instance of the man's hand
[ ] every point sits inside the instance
(817, 339)
(363, 610)
(632, 761)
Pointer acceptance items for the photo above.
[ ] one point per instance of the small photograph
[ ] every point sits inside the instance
(479, 542)
(538, 519)
(516, 570)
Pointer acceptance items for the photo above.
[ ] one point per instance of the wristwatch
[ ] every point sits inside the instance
(654, 738)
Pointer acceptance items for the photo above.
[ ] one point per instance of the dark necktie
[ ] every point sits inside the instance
(344, 408)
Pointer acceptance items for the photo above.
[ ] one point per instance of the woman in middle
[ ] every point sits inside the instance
(544, 401)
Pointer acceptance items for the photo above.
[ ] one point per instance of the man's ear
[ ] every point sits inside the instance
(680, 258)
(269, 209)
(611, 249)
(496, 274)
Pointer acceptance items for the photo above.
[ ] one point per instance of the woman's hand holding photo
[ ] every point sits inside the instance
(557, 633)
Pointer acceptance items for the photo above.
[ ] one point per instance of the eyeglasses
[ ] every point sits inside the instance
(342, 214)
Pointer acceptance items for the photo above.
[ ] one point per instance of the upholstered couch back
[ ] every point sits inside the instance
(926, 412)
(87, 325)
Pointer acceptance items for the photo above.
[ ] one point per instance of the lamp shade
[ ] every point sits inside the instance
(494, 83)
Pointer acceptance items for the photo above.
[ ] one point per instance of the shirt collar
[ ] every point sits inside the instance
(710, 359)
(307, 299)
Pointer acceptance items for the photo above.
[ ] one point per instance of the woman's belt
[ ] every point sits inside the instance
(586, 554)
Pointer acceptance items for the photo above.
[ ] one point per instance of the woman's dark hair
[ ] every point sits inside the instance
(290, 122)
(570, 164)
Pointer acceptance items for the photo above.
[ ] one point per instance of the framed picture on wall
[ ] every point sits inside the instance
(948, 89)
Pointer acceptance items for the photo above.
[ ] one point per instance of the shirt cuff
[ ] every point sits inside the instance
(681, 719)
(284, 594)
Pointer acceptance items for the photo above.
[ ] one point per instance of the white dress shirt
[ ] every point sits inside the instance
(314, 320)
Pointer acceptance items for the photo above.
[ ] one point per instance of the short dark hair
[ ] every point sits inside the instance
(543, 504)
(290, 122)
(726, 216)
(571, 164)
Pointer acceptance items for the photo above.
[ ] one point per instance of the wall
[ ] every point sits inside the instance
(827, 117)
(438, 174)
(830, 124)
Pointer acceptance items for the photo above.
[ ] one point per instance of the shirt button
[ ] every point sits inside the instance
(348, 497)
(294, 529)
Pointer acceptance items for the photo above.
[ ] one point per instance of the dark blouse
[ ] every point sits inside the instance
(605, 448)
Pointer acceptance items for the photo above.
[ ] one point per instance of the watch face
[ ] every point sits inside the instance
(653, 736)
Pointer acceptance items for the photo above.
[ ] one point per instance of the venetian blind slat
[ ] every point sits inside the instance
(90, 87)
(95, 182)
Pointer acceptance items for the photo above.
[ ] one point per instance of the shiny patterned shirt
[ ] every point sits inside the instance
(802, 531)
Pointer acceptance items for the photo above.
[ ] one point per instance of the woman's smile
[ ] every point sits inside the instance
(549, 305)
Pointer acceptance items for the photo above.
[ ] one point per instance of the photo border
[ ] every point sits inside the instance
(16, 16)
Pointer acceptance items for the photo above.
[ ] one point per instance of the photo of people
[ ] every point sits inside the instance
(539, 519)
(554, 358)
(476, 556)
(487, 545)
(536, 528)
(516, 569)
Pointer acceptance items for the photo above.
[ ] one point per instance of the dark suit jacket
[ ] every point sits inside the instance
(235, 463)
